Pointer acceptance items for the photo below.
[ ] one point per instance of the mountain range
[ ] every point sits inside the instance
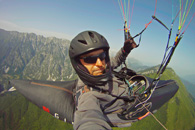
(30, 56)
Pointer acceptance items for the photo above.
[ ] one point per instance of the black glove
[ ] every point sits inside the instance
(129, 45)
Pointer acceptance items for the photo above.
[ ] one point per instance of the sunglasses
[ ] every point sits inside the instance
(93, 59)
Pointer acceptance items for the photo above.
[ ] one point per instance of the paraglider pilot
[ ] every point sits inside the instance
(99, 94)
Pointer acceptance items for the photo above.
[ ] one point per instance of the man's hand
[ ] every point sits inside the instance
(129, 45)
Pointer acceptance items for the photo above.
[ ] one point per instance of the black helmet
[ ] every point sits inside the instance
(86, 42)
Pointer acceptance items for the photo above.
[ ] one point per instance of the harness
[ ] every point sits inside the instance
(137, 104)
(137, 85)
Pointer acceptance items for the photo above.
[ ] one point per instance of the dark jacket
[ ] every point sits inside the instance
(97, 110)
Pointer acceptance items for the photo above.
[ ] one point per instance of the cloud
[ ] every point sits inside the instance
(9, 26)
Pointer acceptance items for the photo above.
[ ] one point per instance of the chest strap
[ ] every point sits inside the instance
(86, 89)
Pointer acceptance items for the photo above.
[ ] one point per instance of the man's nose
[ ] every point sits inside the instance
(98, 62)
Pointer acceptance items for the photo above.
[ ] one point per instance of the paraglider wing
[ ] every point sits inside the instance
(55, 98)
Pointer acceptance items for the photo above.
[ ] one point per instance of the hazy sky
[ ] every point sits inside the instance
(67, 18)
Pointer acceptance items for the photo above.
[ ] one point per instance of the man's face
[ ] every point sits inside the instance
(94, 62)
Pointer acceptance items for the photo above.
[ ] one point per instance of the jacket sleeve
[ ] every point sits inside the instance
(118, 59)
(89, 115)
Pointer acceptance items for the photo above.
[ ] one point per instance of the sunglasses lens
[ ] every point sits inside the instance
(90, 60)
(93, 59)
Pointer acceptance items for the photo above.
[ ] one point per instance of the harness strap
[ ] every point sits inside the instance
(86, 89)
